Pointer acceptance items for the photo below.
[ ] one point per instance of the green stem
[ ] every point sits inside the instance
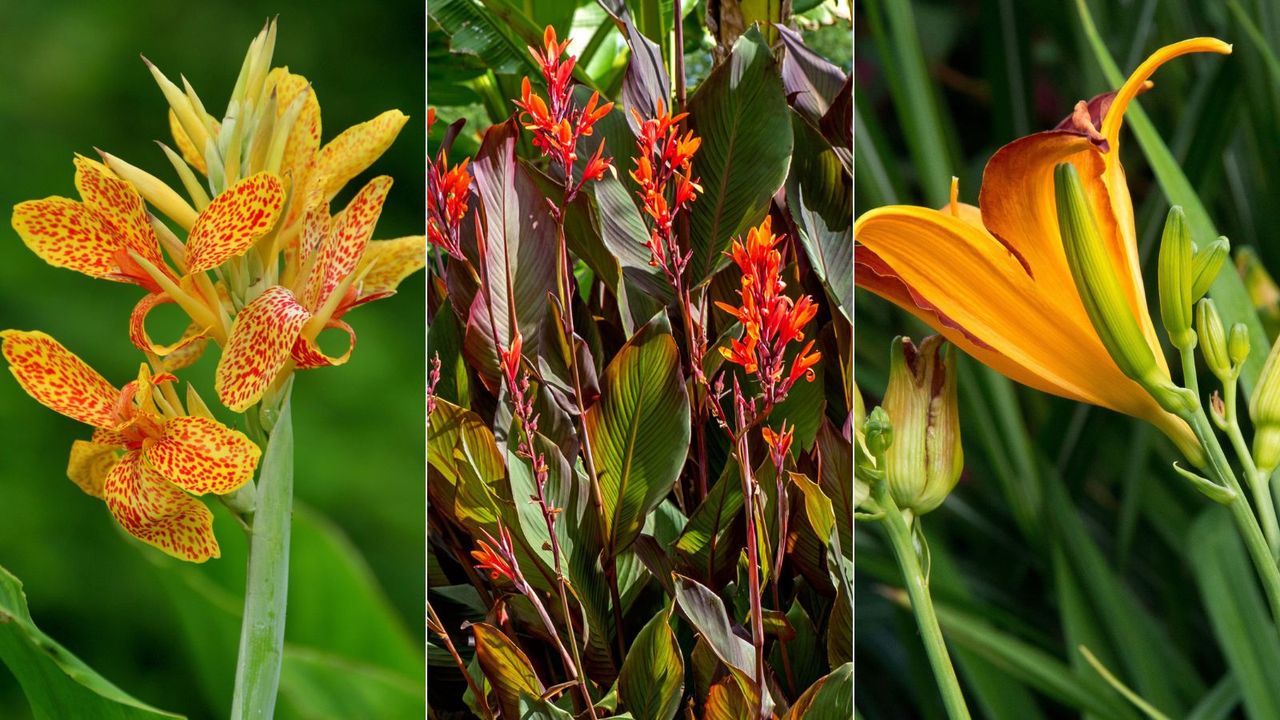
(922, 605)
(1258, 481)
(267, 579)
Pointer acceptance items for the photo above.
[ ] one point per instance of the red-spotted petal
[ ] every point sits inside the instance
(261, 338)
(66, 234)
(234, 220)
(59, 380)
(156, 512)
(307, 353)
(120, 206)
(388, 263)
(203, 456)
(350, 233)
(89, 464)
(355, 149)
(138, 329)
(304, 138)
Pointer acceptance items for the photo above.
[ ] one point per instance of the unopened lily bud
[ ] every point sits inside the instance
(1262, 289)
(924, 461)
(1213, 339)
(1204, 269)
(1238, 344)
(1103, 298)
(1264, 410)
(878, 432)
(1175, 280)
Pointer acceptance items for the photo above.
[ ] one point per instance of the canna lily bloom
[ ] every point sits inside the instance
(769, 318)
(448, 193)
(557, 123)
(110, 235)
(146, 454)
(340, 268)
(663, 156)
(497, 557)
(779, 444)
(994, 279)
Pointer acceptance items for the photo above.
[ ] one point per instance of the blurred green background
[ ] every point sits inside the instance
(70, 80)
(1068, 526)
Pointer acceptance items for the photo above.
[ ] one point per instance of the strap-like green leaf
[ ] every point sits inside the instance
(652, 679)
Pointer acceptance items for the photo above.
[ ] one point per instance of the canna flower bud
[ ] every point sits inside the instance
(1104, 301)
(1238, 344)
(1213, 340)
(1264, 410)
(1204, 269)
(926, 457)
(1174, 269)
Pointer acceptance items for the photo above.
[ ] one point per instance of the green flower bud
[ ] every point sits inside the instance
(1175, 280)
(1204, 269)
(878, 432)
(1103, 298)
(1264, 410)
(926, 458)
(1213, 340)
(1238, 344)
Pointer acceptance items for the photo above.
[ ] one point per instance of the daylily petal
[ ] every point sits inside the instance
(307, 353)
(388, 263)
(156, 512)
(355, 149)
(1028, 336)
(89, 464)
(117, 202)
(59, 380)
(203, 456)
(138, 329)
(261, 338)
(234, 220)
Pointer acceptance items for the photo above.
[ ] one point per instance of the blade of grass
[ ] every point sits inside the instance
(914, 95)
(1146, 707)
(1218, 703)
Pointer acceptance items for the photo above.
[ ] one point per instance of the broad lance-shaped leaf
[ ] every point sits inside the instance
(56, 683)
(465, 463)
(646, 82)
(831, 698)
(812, 82)
(507, 668)
(740, 112)
(652, 679)
(520, 238)
(639, 431)
(705, 612)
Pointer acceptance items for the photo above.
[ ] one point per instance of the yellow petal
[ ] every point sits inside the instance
(89, 464)
(389, 262)
(156, 512)
(193, 155)
(203, 456)
(261, 338)
(350, 233)
(304, 138)
(235, 219)
(355, 149)
(59, 380)
(120, 205)
(66, 234)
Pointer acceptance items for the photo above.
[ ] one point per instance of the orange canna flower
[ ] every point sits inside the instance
(769, 318)
(557, 123)
(663, 158)
(146, 454)
(994, 279)
(448, 195)
(497, 558)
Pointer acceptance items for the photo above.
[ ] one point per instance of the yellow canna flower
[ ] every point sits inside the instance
(994, 279)
(146, 454)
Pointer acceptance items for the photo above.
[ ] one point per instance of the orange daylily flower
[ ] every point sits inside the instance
(994, 279)
(341, 269)
(167, 453)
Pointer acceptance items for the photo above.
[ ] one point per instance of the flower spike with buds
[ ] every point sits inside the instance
(770, 319)
(448, 194)
(557, 123)
(664, 157)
